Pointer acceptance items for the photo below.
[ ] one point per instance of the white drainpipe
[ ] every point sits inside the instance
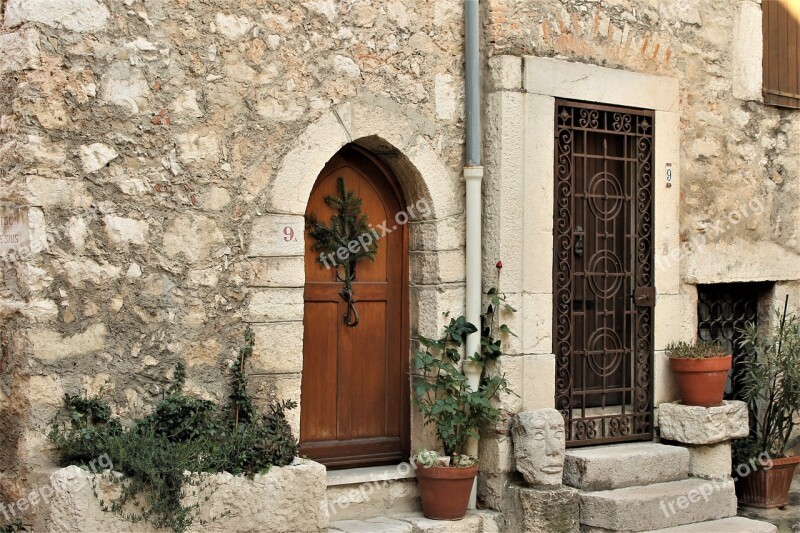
(473, 175)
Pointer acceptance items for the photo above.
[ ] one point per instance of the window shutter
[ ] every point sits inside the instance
(781, 25)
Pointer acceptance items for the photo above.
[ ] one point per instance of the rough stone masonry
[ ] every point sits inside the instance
(141, 139)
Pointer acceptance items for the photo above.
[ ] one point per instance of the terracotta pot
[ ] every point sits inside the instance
(767, 488)
(701, 381)
(445, 490)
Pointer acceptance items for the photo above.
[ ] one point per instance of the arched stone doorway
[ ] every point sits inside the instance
(401, 143)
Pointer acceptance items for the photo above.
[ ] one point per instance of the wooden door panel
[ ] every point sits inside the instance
(319, 372)
(363, 396)
(356, 379)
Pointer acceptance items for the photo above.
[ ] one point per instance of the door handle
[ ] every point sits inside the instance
(579, 242)
(644, 296)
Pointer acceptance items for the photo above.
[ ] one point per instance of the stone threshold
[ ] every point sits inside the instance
(351, 476)
(473, 522)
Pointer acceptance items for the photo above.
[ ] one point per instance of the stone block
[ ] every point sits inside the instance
(539, 378)
(74, 15)
(278, 271)
(285, 499)
(279, 347)
(505, 72)
(50, 345)
(194, 237)
(126, 230)
(432, 235)
(736, 524)
(471, 523)
(536, 328)
(658, 506)
(710, 462)
(277, 235)
(434, 267)
(428, 304)
(690, 424)
(20, 51)
(372, 499)
(664, 387)
(276, 304)
(748, 50)
(581, 81)
(675, 317)
(96, 155)
(624, 465)
(124, 85)
(53, 192)
(496, 454)
(542, 510)
(493, 489)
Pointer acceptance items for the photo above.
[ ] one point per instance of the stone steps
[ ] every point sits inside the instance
(474, 522)
(736, 524)
(658, 505)
(373, 492)
(625, 465)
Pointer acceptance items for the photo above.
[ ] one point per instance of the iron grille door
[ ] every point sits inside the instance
(603, 264)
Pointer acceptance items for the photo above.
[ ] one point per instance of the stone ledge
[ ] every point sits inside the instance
(285, 499)
(691, 424)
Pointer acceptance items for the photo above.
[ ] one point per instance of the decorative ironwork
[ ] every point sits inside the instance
(722, 311)
(602, 337)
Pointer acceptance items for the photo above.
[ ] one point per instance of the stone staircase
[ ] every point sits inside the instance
(646, 487)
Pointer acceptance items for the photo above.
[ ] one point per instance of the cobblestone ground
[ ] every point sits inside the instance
(787, 519)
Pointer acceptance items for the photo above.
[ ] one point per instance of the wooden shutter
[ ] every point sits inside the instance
(781, 24)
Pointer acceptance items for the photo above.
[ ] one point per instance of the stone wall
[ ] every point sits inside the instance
(159, 147)
(736, 153)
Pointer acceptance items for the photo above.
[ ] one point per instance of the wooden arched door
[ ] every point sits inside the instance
(355, 394)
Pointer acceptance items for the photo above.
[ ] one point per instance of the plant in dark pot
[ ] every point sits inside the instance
(770, 385)
(700, 370)
(446, 400)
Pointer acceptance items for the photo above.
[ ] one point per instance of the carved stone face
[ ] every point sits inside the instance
(539, 446)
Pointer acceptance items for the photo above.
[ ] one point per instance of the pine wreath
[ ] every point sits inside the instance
(348, 225)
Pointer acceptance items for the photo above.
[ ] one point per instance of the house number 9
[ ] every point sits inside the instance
(668, 174)
(288, 234)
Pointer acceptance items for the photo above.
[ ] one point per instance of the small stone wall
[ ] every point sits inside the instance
(285, 499)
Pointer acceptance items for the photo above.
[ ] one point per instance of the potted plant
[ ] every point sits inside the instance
(700, 370)
(446, 400)
(771, 388)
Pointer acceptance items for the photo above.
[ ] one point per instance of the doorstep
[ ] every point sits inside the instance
(473, 522)
(355, 476)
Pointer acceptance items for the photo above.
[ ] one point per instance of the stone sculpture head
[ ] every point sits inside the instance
(539, 446)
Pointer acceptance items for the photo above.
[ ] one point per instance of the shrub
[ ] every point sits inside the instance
(699, 350)
(182, 434)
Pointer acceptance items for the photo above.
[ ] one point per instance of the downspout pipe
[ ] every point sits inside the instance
(473, 176)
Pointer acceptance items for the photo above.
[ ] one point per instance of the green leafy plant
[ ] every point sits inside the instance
(695, 350)
(441, 388)
(770, 382)
(14, 527)
(182, 434)
(427, 458)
